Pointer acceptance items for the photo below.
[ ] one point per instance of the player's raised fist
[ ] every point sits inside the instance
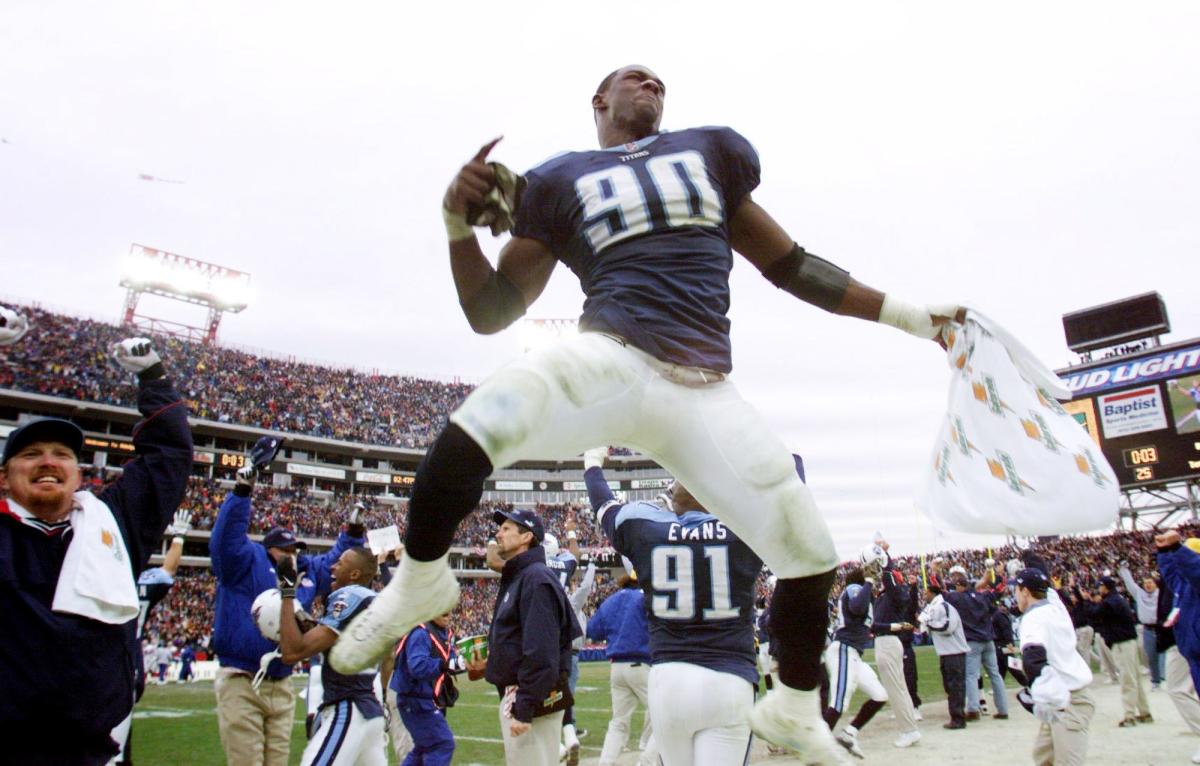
(182, 523)
(13, 326)
(135, 354)
(472, 183)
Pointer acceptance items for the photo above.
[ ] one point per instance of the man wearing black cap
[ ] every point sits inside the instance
(1117, 624)
(1058, 677)
(68, 563)
(529, 644)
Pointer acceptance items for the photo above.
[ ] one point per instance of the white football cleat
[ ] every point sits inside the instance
(570, 745)
(848, 738)
(791, 718)
(419, 591)
(908, 739)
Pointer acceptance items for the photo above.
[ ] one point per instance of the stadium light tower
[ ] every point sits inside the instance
(539, 333)
(157, 272)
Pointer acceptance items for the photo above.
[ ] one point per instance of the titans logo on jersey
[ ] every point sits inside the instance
(563, 564)
(698, 578)
(343, 606)
(153, 585)
(645, 227)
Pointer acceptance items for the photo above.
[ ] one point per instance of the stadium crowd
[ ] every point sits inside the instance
(65, 357)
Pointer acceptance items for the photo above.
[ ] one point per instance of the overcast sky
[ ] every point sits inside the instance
(1029, 159)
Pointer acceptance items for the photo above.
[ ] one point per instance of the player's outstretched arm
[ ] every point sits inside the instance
(812, 279)
(491, 299)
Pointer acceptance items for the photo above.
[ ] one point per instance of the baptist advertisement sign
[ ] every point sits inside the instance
(1167, 364)
(1132, 412)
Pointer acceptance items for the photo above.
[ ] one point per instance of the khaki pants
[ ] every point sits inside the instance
(889, 659)
(1083, 643)
(536, 747)
(1064, 743)
(1181, 689)
(255, 728)
(402, 741)
(628, 682)
(1108, 663)
(1133, 686)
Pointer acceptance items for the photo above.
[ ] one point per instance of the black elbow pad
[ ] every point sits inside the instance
(810, 278)
(497, 305)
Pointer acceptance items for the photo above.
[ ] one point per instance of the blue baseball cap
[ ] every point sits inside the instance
(527, 519)
(1033, 579)
(282, 537)
(44, 430)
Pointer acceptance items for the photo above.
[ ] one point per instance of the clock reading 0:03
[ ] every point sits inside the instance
(233, 461)
(1140, 456)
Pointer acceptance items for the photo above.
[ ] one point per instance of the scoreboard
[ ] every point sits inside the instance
(1143, 410)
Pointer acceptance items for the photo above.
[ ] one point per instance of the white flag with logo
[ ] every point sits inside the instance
(1008, 458)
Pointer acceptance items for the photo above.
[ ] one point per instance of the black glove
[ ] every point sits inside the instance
(285, 575)
(1026, 699)
(264, 452)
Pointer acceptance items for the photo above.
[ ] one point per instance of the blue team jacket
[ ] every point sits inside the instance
(244, 569)
(419, 666)
(1181, 569)
(621, 621)
(66, 681)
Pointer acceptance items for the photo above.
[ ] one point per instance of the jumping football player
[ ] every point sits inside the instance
(648, 223)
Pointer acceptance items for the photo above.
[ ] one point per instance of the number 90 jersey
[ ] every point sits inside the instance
(698, 580)
(645, 227)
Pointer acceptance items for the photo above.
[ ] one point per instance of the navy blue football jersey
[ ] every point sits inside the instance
(698, 580)
(645, 227)
(563, 564)
(855, 617)
(153, 585)
(343, 606)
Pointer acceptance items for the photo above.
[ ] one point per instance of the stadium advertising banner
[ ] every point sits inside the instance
(1144, 412)
(373, 477)
(317, 471)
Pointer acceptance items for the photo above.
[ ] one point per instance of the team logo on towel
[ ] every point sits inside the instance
(941, 465)
(1087, 466)
(1037, 429)
(987, 393)
(1050, 403)
(959, 435)
(1004, 469)
(108, 540)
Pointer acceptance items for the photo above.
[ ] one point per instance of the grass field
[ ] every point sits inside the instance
(177, 723)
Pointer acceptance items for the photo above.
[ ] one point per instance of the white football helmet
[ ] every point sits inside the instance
(550, 543)
(873, 558)
(266, 611)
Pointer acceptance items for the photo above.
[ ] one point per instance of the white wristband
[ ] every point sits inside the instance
(177, 539)
(571, 535)
(457, 228)
(913, 319)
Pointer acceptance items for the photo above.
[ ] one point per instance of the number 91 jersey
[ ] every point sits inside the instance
(698, 579)
(645, 227)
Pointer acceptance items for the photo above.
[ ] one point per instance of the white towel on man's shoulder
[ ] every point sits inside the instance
(96, 580)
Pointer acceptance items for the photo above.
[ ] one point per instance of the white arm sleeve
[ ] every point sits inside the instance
(580, 596)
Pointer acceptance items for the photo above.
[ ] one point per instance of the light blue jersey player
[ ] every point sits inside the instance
(698, 579)
(562, 563)
(350, 723)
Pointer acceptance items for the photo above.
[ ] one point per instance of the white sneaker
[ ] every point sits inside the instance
(908, 739)
(562, 753)
(917, 714)
(791, 718)
(420, 590)
(570, 745)
(1196, 757)
(848, 738)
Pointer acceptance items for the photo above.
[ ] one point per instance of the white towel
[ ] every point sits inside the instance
(1009, 459)
(96, 580)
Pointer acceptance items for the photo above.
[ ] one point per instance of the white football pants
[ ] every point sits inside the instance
(701, 716)
(847, 671)
(343, 737)
(593, 390)
(629, 683)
